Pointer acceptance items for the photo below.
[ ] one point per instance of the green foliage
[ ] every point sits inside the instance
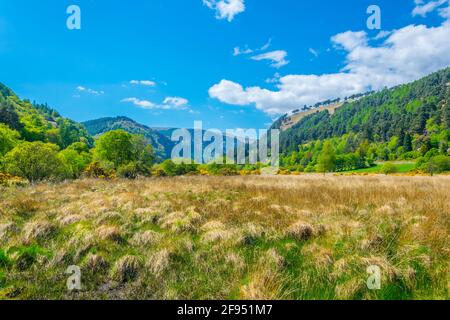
(402, 123)
(388, 168)
(35, 161)
(434, 165)
(114, 146)
(4, 261)
(169, 168)
(129, 155)
(8, 139)
(37, 122)
(75, 159)
(9, 117)
(26, 256)
(129, 171)
(327, 159)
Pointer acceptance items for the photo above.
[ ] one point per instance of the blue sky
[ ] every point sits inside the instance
(237, 63)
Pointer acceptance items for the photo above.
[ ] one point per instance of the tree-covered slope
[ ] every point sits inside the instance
(162, 145)
(36, 122)
(414, 114)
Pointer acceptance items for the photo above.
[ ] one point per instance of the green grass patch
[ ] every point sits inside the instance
(4, 261)
(400, 168)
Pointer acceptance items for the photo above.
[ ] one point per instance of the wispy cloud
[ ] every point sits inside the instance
(382, 34)
(147, 83)
(237, 51)
(313, 52)
(90, 91)
(226, 9)
(277, 58)
(144, 104)
(169, 103)
(176, 102)
(422, 8)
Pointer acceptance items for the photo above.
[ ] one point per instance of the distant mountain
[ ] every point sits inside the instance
(159, 139)
(39, 122)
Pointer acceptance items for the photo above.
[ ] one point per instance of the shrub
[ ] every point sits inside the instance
(10, 180)
(388, 168)
(437, 164)
(75, 158)
(158, 172)
(97, 170)
(128, 171)
(35, 161)
(121, 148)
(169, 168)
(228, 171)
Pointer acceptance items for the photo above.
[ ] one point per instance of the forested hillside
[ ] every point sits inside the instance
(37, 143)
(36, 122)
(406, 122)
(162, 145)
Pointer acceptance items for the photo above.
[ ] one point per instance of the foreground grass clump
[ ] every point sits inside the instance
(303, 237)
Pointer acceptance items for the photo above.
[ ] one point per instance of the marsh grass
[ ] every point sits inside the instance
(302, 237)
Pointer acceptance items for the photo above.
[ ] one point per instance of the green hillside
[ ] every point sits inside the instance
(38, 122)
(407, 122)
(161, 143)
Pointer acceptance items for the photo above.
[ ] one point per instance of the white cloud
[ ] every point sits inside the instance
(278, 58)
(382, 34)
(422, 9)
(266, 46)
(350, 40)
(90, 91)
(147, 83)
(313, 52)
(275, 79)
(407, 54)
(176, 102)
(237, 51)
(169, 103)
(144, 104)
(226, 9)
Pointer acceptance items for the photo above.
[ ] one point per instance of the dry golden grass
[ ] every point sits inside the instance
(253, 237)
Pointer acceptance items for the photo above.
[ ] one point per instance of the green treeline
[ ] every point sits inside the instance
(409, 122)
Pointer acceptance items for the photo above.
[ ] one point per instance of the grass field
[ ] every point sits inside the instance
(302, 237)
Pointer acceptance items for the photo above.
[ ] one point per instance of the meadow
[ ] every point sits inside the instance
(252, 237)
(399, 167)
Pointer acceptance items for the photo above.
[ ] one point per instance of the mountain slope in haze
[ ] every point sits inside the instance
(158, 137)
(414, 114)
(39, 122)
(161, 143)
